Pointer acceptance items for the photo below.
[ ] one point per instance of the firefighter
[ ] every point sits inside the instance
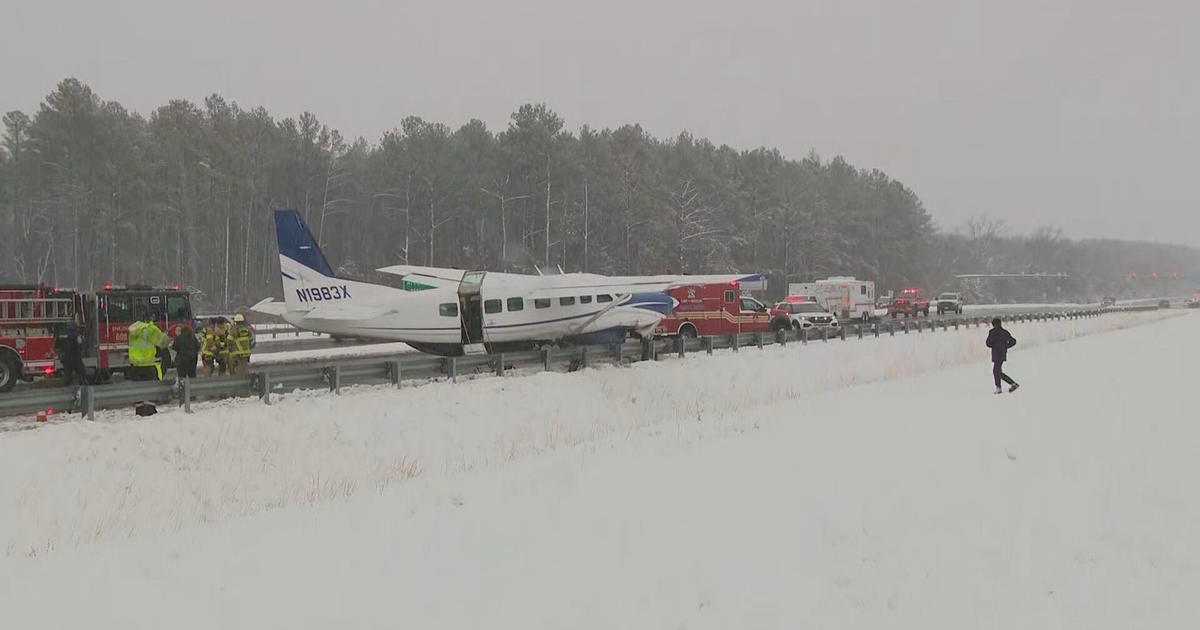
(210, 346)
(145, 340)
(240, 340)
(223, 346)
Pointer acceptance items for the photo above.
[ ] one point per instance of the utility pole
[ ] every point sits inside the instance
(503, 224)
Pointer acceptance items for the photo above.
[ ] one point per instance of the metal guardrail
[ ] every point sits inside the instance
(397, 368)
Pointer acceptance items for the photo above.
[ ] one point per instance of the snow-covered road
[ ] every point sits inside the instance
(792, 487)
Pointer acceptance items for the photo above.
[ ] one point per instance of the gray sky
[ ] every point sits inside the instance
(1083, 115)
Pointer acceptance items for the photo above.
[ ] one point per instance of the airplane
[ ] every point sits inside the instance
(451, 312)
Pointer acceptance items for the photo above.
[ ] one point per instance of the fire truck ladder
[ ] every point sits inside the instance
(40, 310)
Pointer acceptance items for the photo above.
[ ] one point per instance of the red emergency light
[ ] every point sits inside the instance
(107, 286)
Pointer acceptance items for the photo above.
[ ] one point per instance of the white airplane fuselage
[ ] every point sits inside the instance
(494, 309)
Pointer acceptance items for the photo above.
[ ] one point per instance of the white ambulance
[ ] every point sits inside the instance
(843, 296)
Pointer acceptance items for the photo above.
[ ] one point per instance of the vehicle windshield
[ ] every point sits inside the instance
(948, 296)
(807, 307)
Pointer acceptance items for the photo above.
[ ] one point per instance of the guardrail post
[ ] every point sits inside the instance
(394, 372)
(335, 380)
(875, 328)
(583, 358)
(825, 334)
(804, 336)
(842, 332)
(451, 368)
(708, 344)
(760, 341)
(781, 336)
(619, 351)
(187, 395)
(546, 359)
(906, 326)
(498, 363)
(737, 341)
(264, 387)
(858, 328)
(956, 324)
(680, 346)
(89, 401)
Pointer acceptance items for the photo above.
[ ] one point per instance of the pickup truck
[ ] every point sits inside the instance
(909, 302)
(949, 303)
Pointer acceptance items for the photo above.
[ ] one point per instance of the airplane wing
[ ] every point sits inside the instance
(622, 285)
(435, 277)
(680, 281)
(270, 307)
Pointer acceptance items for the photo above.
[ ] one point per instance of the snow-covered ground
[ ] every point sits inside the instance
(789, 487)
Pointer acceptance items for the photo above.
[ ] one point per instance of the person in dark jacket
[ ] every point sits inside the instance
(1000, 340)
(186, 348)
(70, 350)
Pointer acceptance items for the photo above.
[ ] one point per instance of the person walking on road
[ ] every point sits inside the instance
(1000, 340)
(186, 348)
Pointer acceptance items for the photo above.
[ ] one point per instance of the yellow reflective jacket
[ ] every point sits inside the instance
(240, 340)
(210, 342)
(144, 341)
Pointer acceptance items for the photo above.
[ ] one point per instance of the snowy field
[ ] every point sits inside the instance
(789, 487)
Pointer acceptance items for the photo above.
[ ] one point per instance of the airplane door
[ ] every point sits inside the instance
(470, 308)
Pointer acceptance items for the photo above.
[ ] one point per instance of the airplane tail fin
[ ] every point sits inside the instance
(298, 244)
(309, 283)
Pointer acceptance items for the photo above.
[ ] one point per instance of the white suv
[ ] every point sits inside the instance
(805, 315)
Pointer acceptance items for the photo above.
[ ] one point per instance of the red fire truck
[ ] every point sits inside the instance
(910, 303)
(717, 309)
(31, 316)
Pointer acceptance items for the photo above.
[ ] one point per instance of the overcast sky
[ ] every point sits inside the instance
(1083, 115)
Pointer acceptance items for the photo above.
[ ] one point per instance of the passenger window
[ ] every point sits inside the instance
(449, 309)
(491, 306)
(729, 296)
(541, 303)
(516, 304)
(604, 297)
(585, 299)
(566, 301)
(862, 290)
